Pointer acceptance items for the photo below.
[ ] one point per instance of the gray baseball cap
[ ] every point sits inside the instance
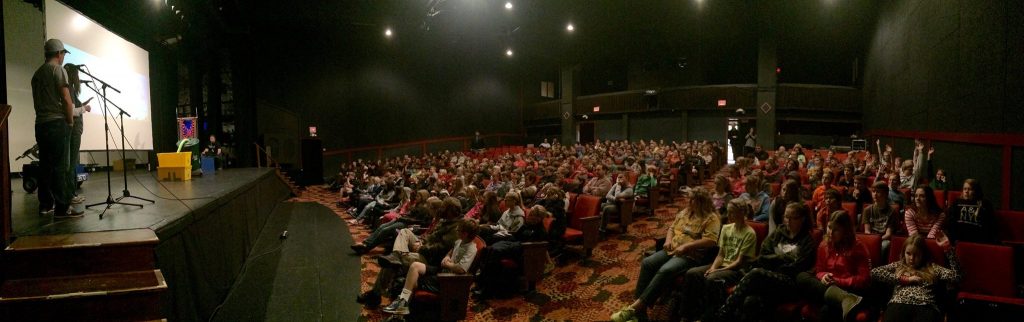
(54, 45)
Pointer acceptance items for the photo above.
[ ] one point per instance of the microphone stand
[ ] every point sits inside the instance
(106, 127)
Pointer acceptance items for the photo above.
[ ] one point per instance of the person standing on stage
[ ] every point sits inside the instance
(75, 141)
(51, 99)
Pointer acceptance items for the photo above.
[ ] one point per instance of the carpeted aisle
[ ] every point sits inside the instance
(588, 290)
(298, 278)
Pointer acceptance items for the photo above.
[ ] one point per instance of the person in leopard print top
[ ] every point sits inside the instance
(917, 281)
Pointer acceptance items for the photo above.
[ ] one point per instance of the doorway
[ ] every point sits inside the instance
(586, 133)
(735, 137)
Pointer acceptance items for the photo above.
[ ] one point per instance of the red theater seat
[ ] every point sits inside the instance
(1011, 226)
(934, 250)
(453, 297)
(988, 274)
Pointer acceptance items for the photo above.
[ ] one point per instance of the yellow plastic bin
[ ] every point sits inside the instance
(174, 166)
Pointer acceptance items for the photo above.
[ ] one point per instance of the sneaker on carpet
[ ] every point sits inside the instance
(626, 314)
(399, 306)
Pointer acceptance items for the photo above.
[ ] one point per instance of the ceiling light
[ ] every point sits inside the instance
(387, 32)
(508, 52)
(508, 5)
(570, 27)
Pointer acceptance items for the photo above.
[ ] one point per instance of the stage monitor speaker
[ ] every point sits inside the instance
(312, 161)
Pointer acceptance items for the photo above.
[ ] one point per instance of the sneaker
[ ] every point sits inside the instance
(626, 314)
(399, 306)
(78, 199)
(69, 214)
(46, 212)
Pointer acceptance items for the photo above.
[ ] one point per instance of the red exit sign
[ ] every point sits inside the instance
(597, 109)
(721, 103)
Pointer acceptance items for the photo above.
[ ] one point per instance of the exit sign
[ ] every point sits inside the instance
(597, 109)
(721, 103)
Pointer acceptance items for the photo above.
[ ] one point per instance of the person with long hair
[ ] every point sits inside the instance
(917, 282)
(924, 216)
(75, 143)
(722, 195)
(509, 223)
(789, 193)
(970, 218)
(786, 252)
(842, 269)
(687, 243)
(491, 211)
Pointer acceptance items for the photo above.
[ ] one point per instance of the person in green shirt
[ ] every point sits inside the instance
(646, 182)
(736, 248)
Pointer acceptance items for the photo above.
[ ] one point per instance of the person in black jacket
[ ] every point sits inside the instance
(493, 276)
(784, 253)
(971, 218)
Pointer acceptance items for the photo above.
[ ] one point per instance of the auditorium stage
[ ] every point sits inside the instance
(211, 230)
(174, 202)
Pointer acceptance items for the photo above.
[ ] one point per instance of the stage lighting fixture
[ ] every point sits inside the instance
(508, 5)
(570, 27)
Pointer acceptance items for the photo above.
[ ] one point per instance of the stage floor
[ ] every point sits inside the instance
(173, 201)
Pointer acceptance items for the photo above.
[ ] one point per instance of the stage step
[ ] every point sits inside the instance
(124, 296)
(80, 254)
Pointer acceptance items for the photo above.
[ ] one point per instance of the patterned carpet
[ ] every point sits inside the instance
(578, 290)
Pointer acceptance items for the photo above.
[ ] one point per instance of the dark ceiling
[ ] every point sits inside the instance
(816, 37)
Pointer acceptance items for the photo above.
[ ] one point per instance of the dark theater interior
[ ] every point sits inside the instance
(512, 160)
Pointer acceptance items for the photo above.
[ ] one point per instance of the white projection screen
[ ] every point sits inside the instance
(107, 56)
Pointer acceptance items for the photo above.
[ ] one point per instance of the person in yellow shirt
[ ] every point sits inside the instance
(689, 243)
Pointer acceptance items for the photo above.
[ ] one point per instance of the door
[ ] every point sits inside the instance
(586, 133)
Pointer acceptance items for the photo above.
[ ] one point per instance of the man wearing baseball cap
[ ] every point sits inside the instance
(51, 98)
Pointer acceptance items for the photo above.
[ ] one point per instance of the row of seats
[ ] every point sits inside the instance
(988, 274)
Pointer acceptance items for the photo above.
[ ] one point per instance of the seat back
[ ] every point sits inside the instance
(851, 208)
(986, 269)
(952, 195)
(776, 189)
(1011, 225)
(761, 230)
(480, 245)
(896, 250)
(873, 243)
(940, 198)
(586, 206)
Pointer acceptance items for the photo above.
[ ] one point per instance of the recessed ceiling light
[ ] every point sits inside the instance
(387, 32)
(570, 27)
(508, 5)
(508, 52)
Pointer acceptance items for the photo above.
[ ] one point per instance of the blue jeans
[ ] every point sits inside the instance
(383, 233)
(55, 189)
(657, 271)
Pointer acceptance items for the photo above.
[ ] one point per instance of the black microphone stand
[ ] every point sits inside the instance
(106, 128)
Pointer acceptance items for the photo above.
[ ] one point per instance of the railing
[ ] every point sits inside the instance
(423, 146)
(270, 159)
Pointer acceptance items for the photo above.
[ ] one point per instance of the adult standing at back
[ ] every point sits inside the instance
(734, 142)
(748, 148)
(51, 99)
